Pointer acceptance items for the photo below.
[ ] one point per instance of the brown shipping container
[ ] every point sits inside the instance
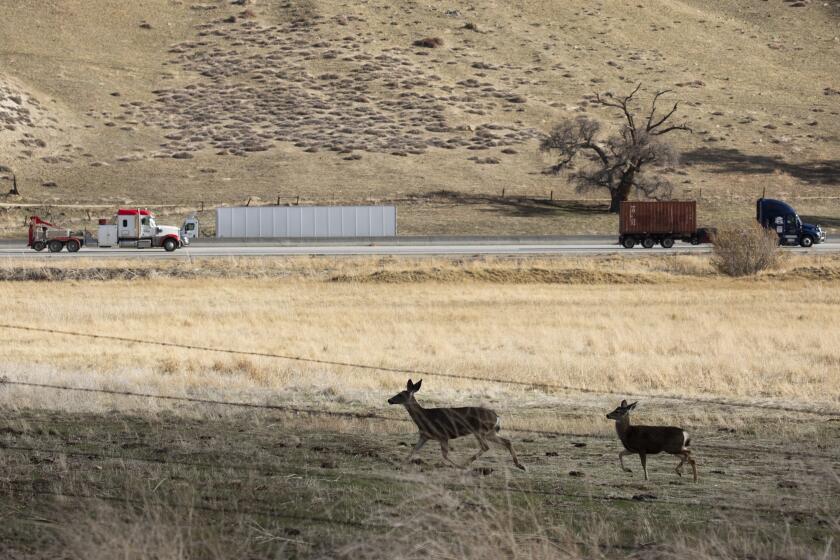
(671, 217)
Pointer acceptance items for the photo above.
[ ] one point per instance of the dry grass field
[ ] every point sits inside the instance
(171, 103)
(750, 367)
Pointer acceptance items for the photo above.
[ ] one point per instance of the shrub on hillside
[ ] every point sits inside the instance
(745, 250)
(429, 42)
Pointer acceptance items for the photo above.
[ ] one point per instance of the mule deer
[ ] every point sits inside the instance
(443, 424)
(650, 440)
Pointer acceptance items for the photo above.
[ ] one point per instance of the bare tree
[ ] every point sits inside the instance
(5, 169)
(619, 163)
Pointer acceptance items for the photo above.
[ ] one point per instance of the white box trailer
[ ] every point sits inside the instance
(306, 221)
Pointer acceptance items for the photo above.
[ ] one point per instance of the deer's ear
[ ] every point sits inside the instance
(409, 385)
(623, 404)
(417, 386)
(632, 406)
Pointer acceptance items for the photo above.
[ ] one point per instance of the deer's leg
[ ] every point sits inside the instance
(621, 457)
(500, 440)
(691, 462)
(420, 443)
(483, 447)
(678, 469)
(643, 457)
(444, 450)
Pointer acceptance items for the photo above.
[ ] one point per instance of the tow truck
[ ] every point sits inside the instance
(130, 227)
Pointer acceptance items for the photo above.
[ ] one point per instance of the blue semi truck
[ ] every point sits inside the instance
(783, 219)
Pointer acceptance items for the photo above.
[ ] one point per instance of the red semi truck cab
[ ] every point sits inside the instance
(135, 227)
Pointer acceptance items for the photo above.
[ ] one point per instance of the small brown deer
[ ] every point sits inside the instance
(443, 424)
(650, 440)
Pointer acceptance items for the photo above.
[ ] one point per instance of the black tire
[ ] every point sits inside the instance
(695, 240)
(170, 244)
(55, 246)
(806, 241)
(629, 242)
(648, 242)
(667, 242)
(73, 246)
(39, 245)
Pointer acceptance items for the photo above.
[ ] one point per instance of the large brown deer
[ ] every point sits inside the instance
(650, 440)
(443, 424)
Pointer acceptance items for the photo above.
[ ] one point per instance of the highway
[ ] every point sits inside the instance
(440, 246)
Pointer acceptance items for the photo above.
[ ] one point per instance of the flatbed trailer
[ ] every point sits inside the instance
(130, 227)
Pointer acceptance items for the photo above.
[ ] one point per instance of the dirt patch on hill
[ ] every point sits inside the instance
(340, 95)
(498, 276)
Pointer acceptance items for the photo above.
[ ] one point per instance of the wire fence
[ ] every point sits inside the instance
(267, 470)
(740, 450)
(544, 386)
(270, 470)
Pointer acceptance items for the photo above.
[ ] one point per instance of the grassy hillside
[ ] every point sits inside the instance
(167, 103)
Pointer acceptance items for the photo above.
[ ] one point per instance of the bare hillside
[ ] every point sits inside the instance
(435, 106)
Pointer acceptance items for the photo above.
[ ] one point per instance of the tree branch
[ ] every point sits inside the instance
(651, 127)
(622, 104)
(598, 150)
(670, 128)
(653, 106)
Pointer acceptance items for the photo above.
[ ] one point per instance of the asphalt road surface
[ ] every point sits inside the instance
(449, 246)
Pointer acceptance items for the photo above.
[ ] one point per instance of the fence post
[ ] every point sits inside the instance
(297, 201)
(202, 206)
(503, 192)
(551, 196)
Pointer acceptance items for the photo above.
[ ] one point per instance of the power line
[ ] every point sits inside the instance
(528, 384)
(380, 477)
(280, 408)
(372, 416)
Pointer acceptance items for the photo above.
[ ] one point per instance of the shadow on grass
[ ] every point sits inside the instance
(730, 160)
(520, 206)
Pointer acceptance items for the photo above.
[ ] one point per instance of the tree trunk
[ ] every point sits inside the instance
(622, 191)
(615, 201)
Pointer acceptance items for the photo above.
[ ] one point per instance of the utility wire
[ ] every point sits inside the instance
(380, 477)
(528, 384)
(371, 416)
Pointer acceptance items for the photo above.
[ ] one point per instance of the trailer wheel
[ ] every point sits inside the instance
(73, 246)
(806, 241)
(170, 244)
(648, 242)
(39, 245)
(629, 242)
(55, 246)
(667, 242)
(695, 240)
